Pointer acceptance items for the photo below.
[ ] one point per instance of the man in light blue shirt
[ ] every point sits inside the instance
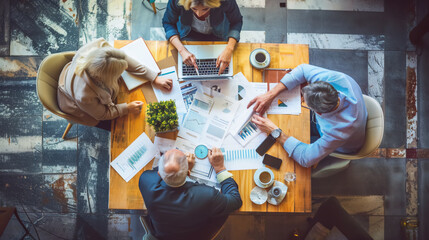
(339, 108)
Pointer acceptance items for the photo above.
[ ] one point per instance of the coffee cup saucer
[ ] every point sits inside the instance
(256, 177)
(256, 64)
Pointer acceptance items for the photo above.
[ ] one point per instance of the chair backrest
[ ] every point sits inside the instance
(47, 82)
(374, 131)
(149, 232)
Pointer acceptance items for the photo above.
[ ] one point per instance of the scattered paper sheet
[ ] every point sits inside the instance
(202, 168)
(242, 159)
(237, 89)
(208, 119)
(243, 130)
(163, 144)
(175, 93)
(188, 92)
(287, 102)
(139, 51)
(134, 157)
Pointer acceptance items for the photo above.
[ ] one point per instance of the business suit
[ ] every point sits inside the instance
(187, 211)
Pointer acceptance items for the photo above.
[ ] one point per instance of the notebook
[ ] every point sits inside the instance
(139, 51)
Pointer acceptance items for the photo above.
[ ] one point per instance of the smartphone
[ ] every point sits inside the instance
(272, 161)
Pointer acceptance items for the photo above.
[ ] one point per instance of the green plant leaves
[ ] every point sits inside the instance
(162, 116)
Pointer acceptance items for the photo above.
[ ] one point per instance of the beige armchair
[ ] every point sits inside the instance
(47, 84)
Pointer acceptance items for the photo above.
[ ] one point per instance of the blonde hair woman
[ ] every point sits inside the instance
(89, 85)
(203, 20)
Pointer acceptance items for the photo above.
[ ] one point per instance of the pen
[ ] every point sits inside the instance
(196, 70)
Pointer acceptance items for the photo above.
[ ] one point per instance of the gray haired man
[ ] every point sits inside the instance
(340, 110)
(180, 209)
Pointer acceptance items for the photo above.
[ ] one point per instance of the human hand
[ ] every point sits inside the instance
(135, 107)
(224, 59)
(163, 83)
(216, 159)
(191, 160)
(189, 58)
(262, 102)
(265, 124)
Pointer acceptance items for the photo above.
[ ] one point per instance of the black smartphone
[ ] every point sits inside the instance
(272, 161)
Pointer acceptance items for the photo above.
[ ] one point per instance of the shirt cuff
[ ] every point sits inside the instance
(234, 34)
(290, 145)
(223, 175)
(122, 109)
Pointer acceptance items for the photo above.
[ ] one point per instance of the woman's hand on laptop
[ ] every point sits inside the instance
(188, 58)
(163, 83)
(224, 59)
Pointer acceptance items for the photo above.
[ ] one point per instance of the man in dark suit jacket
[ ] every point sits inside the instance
(180, 209)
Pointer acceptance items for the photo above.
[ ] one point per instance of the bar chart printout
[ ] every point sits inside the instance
(134, 157)
(241, 159)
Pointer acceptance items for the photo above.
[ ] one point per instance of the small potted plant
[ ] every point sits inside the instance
(162, 116)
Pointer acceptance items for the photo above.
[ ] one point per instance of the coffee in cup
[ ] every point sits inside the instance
(260, 57)
(263, 177)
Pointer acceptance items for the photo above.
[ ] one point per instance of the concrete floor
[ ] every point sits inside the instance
(61, 187)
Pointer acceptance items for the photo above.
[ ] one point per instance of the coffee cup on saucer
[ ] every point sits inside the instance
(260, 58)
(263, 177)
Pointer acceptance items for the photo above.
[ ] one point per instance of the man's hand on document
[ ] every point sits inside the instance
(265, 124)
(216, 159)
(191, 160)
(262, 102)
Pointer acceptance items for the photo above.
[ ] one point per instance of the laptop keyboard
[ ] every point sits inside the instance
(205, 67)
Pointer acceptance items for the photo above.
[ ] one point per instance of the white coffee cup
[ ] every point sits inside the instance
(264, 177)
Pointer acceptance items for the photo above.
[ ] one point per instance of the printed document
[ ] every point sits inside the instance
(242, 159)
(139, 51)
(202, 169)
(287, 102)
(134, 157)
(208, 119)
(174, 94)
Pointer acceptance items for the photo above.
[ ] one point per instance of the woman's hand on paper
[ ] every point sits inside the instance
(163, 83)
(263, 123)
(262, 102)
(135, 107)
(216, 159)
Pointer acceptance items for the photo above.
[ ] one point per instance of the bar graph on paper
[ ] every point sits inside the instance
(247, 132)
(241, 159)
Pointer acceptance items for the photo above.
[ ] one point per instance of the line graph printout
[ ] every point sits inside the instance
(241, 159)
(134, 157)
(208, 119)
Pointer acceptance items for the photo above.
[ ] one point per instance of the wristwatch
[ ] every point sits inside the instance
(269, 141)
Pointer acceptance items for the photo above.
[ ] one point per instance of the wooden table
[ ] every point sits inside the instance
(126, 129)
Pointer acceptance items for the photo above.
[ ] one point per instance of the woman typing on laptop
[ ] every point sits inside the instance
(89, 84)
(203, 20)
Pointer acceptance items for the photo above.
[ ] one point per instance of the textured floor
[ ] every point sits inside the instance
(61, 187)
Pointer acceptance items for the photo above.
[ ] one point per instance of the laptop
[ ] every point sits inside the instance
(206, 56)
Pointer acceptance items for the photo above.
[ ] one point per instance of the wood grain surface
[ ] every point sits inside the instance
(126, 129)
